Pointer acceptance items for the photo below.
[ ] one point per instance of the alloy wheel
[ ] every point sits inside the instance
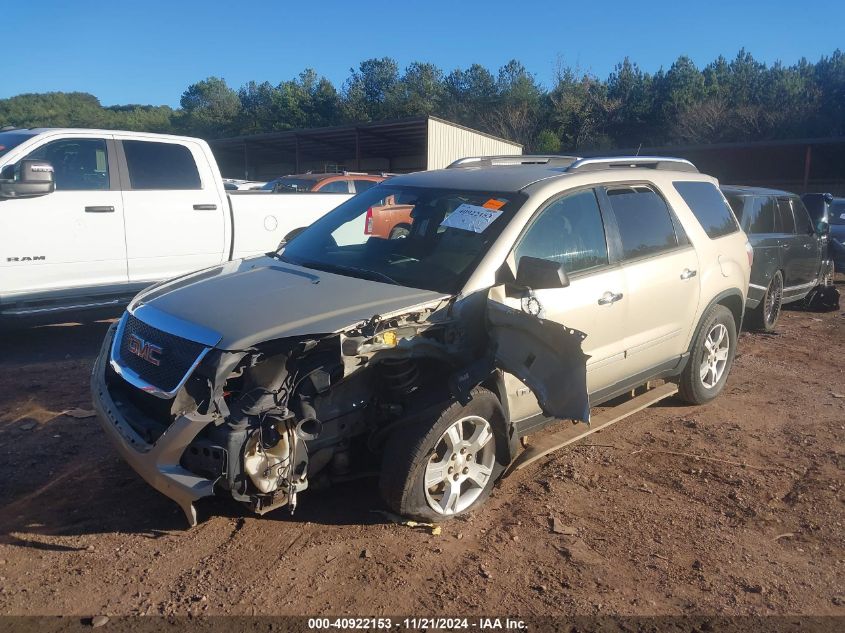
(460, 466)
(773, 300)
(716, 348)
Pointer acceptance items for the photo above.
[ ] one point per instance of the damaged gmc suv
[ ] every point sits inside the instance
(526, 290)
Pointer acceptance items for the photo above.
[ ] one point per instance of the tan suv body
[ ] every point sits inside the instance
(523, 290)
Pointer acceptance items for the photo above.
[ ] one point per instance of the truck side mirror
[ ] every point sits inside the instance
(539, 274)
(29, 179)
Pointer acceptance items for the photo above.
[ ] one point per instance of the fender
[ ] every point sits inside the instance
(738, 310)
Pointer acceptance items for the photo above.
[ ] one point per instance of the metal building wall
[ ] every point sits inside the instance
(448, 142)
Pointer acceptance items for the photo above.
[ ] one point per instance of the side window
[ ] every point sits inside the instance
(645, 225)
(79, 164)
(737, 205)
(787, 222)
(363, 185)
(160, 166)
(708, 206)
(803, 224)
(337, 186)
(761, 213)
(569, 231)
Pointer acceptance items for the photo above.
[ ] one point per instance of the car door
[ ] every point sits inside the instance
(568, 230)
(60, 243)
(660, 270)
(174, 220)
(807, 251)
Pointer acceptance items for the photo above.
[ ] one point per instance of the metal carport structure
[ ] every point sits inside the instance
(401, 145)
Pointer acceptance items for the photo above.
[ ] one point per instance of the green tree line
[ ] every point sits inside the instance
(741, 99)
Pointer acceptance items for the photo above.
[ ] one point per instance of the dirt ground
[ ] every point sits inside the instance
(755, 528)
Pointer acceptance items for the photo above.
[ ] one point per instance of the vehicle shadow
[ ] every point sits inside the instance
(48, 343)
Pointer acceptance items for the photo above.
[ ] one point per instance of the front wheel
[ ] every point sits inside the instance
(711, 357)
(436, 471)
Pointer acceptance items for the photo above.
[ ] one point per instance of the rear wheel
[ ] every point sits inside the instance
(765, 316)
(711, 357)
(437, 471)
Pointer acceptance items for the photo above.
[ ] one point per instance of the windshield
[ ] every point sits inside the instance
(10, 140)
(837, 211)
(291, 185)
(411, 236)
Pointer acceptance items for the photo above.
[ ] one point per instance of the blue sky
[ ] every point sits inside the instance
(150, 51)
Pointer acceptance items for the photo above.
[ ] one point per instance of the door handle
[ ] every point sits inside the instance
(99, 209)
(785, 247)
(205, 207)
(609, 297)
(688, 273)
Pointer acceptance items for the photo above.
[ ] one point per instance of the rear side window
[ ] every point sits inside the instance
(709, 207)
(762, 213)
(161, 166)
(337, 186)
(568, 231)
(645, 226)
(363, 185)
(787, 222)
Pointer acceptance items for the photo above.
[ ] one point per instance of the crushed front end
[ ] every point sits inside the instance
(258, 424)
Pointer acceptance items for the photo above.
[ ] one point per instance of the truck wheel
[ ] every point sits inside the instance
(433, 472)
(765, 316)
(711, 357)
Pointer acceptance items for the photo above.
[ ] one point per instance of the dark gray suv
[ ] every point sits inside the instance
(789, 258)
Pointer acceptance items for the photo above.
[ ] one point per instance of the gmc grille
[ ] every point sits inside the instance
(175, 360)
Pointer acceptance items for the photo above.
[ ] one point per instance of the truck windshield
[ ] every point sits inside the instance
(10, 140)
(289, 185)
(411, 236)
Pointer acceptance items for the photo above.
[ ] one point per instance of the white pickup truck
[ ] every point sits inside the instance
(90, 217)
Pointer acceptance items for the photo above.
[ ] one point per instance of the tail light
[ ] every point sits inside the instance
(749, 250)
(368, 222)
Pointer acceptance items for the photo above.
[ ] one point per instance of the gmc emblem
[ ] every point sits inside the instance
(144, 349)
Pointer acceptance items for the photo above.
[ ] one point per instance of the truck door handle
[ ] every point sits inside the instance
(99, 209)
(688, 273)
(205, 207)
(785, 247)
(609, 297)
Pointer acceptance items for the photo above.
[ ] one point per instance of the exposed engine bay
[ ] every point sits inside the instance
(305, 411)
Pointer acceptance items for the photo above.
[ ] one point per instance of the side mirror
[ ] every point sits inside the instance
(29, 179)
(539, 274)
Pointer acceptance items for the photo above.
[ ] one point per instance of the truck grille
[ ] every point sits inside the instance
(175, 358)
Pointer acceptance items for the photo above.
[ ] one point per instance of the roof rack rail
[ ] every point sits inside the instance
(515, 159)
(578, 164)
(625, 162)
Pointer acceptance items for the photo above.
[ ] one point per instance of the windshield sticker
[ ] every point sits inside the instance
(494, 204)
(469, 217)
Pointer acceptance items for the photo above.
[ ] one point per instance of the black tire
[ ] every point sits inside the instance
(765, 316)
(400, 231)
(691, 386)
(411, 447)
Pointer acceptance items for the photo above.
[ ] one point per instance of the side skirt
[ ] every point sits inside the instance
(668, 369)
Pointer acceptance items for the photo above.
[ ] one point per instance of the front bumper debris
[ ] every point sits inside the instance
(157, 463)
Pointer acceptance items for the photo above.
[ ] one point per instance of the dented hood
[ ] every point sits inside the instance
(254, 300)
